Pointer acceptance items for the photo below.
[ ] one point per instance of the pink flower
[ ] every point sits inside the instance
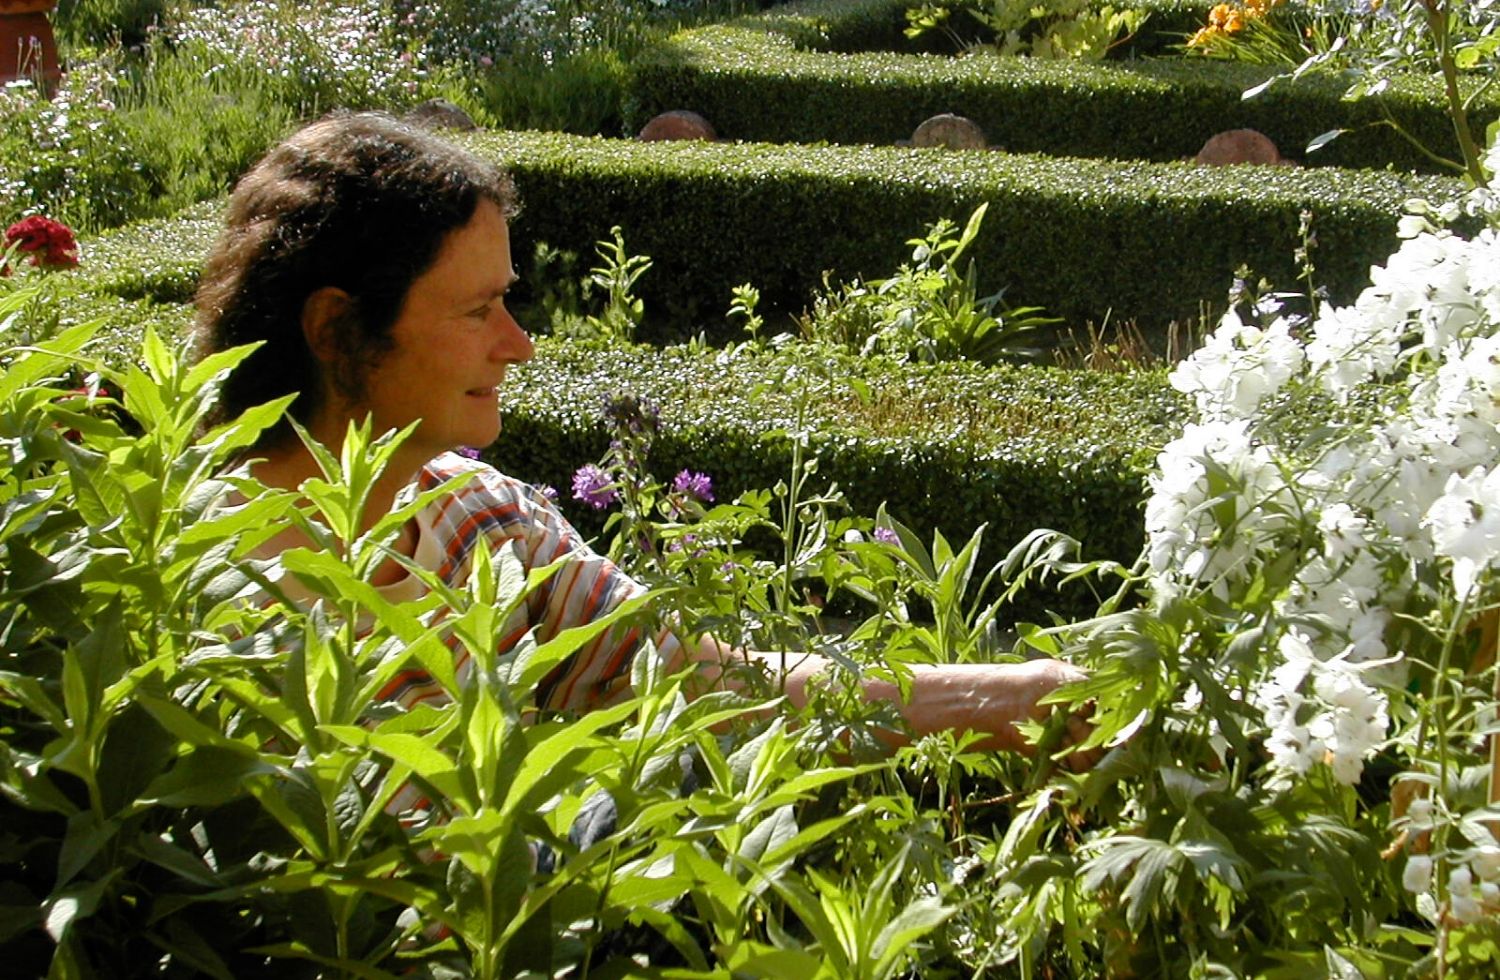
(50, 243)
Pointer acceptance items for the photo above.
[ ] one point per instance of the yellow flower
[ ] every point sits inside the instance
(1204, 37)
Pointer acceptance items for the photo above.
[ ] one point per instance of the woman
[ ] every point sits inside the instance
(372, 260)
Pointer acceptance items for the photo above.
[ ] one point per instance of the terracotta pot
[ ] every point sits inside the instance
(27, 46)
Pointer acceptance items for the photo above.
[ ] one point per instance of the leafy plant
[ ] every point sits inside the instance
(1050, 29)
(614, 279)
(1451, 38)
(68, 156)
(930, 310)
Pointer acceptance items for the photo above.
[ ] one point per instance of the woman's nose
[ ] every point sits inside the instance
(514, 344)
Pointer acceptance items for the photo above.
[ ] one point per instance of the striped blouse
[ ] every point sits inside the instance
(490, 510)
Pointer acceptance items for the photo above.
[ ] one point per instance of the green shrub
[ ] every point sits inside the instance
(945, 447)
(97, 23)
(1079, 238)
(196, 774)
(930, 310)
(69, 157)
(802, 74)
(159, 259)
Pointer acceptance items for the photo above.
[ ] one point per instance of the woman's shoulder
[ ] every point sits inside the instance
(485, 486)
(489, 504)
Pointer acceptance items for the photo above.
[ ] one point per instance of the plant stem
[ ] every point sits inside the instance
(1438, 16)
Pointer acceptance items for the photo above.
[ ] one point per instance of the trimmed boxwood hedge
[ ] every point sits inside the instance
(158, 259)
(1081, 238)
(945, 447)
(815, 72)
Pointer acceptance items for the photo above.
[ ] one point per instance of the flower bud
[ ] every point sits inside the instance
(1486, 862)
(1417, 877)
(1420, 813)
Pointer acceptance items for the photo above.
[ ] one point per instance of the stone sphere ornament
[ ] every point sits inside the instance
(1240, 146)
(678, 124)
(950, 131)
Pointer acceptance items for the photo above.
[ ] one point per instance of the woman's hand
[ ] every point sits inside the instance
(989, 699)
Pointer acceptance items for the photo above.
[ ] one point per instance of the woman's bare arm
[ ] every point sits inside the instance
(988, 699)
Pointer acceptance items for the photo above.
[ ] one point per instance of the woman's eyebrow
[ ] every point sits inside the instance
(488, 293)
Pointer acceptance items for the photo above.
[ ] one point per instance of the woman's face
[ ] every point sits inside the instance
(452, 343)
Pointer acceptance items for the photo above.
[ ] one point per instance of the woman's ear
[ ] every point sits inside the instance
(321, 313)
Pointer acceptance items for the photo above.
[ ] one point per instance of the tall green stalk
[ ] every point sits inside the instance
(1439, 18)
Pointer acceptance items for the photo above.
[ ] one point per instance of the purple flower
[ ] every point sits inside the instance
(696, 485)
(468, 452)
(628, 413)
(885, 536)
(547, 490)
(594, 487)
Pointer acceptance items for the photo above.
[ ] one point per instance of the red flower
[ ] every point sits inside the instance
(50, 243)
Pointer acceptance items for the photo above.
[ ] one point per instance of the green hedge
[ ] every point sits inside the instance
(1082, 238)
(806, 73)
(158, 259)
(946, 447)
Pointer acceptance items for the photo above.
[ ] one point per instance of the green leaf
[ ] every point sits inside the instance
(143, 397)
(894, 943)
(189, 948)
(85, 838)
(526, 675)
(64, 908)
(1146, 866)
(770, 834)
(177, 860)
(210, 775)
(412, 751)
(49, 359)
(549, 756)
(751, 959)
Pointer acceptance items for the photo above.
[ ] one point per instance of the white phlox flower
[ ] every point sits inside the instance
(1292, 747)
(1467, 386)
(1484, 272)
(1461, 901)
(1419, 814)
(1465, 525)
(1192, 538)
(1486, 862)
(1238, 367)
(1427, 277)
(1346, 595)
(1416, 877)
(1354, 725)
(1343, 532)
(1399, 482)
(1492, 163)
(1341, 721)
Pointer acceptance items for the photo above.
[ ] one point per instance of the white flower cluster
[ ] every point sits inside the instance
(1348, 517)
(1473, 885)
(1342, 720)
(343, 51)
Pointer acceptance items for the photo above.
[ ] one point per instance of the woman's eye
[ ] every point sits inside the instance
(482, 313)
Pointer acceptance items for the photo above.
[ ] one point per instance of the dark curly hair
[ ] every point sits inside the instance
(356, 201)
